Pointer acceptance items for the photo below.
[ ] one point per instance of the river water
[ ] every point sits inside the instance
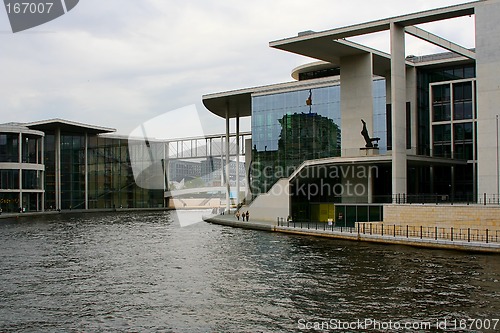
(143, 272)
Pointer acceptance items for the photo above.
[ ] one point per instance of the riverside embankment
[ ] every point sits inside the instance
(358, 234)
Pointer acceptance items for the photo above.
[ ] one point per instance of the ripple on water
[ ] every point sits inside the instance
(143, 272)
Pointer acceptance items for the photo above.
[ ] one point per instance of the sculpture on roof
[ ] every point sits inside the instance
(369, 141)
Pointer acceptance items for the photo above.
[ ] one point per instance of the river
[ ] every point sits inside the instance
(144, 272)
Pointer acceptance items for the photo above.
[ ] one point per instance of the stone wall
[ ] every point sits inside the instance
(445, 216)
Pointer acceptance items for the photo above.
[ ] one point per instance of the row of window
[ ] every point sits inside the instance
(459, 106)
(31, 148)
(31, 180)
(451, 104)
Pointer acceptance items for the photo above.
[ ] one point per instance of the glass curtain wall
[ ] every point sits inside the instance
(291, 127)
(72, 171)
(111, 179)
(9, 147)
(446, 115)
(20, 149)
(50, 171)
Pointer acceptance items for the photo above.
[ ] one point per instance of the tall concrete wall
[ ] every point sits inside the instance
(356, 101)
(398, 102)
(488, 93)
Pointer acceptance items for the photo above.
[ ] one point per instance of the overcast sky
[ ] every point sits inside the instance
(119, 63)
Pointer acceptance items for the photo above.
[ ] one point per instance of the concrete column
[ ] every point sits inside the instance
(228, 185)
(370, 184)
(488, 97)
(356, 101)
(398, 102)
(248, 163)
(237, 160)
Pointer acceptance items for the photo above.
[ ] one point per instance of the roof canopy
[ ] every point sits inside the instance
(68, 126)
(331, 45)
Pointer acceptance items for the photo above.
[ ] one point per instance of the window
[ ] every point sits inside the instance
(441, 103)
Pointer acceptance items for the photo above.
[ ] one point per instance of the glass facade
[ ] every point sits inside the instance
(453, 115)
(9, 147)
(291, 127)
(447, 126)
(72, 171)
(111, 179)
(21, 168)
(442, 102)
(50, 171)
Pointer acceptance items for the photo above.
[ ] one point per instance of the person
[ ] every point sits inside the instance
(247, 214)
(238, 215)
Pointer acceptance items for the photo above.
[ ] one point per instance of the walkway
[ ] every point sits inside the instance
(353, 235)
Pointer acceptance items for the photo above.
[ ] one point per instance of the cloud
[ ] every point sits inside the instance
(118, 63)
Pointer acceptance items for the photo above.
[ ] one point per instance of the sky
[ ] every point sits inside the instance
(120, 63)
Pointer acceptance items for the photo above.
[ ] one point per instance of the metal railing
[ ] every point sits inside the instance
(421, 232)
(445, 199)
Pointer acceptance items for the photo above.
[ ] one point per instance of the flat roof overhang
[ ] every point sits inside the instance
(329, 45)
(68, 126)
(237, 103)
(329, 50)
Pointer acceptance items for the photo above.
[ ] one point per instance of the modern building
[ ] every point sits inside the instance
(64, 165)
(59, 164)
(359, 128)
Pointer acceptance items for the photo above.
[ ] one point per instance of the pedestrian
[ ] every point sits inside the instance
(238, 215)
(247, 214)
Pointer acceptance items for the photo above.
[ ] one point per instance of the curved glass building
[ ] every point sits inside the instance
(22, 168)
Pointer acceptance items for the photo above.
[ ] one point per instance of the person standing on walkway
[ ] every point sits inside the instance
(238, 215)
(247, 214)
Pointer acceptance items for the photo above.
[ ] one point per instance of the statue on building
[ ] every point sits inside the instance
(369, 141)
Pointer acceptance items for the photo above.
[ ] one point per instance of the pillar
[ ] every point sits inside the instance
(398, 113)
(228, 185)
(356, 100)
(488, 98)
(237, 160)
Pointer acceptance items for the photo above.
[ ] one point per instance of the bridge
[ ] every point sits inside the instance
(187, 191)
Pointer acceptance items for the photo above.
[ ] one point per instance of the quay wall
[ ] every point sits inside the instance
(355, 236)
(475, 217)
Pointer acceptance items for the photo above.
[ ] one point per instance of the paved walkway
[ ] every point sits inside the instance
(353, 235)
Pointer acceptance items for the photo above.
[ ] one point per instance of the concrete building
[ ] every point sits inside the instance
(410, 128)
